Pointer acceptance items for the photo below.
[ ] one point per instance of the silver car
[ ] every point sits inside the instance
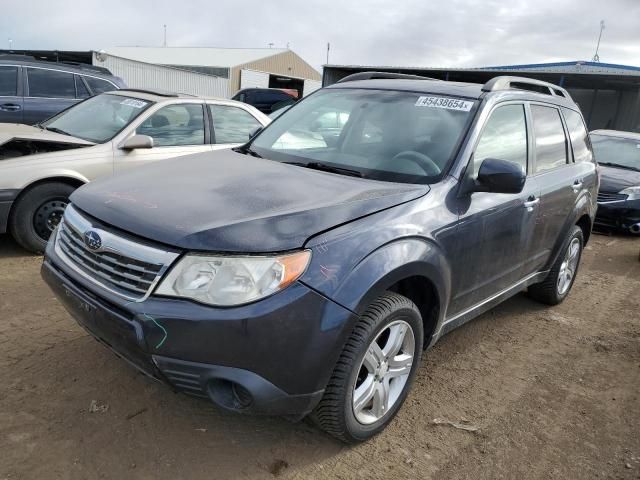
(41, 165)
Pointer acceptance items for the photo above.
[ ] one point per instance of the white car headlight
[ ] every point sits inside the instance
(227, 280)
(633, 193)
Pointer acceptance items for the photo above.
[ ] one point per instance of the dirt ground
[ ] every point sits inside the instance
(554, 392)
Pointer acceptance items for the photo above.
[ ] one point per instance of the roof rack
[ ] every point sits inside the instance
(150, 91)
(382, 75)
(86, 66)
(523, 83)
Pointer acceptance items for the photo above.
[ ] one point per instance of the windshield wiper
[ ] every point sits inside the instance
(247, 150)
(57, 130)
(328, 168)
(617, 165)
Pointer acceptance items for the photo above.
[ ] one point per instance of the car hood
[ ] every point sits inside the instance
(17, 131)
(227, 201)
(615, 179)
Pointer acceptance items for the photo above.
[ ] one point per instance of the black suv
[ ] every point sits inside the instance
(32, 91)
(306, 271)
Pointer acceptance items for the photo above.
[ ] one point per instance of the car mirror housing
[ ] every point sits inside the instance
(137, 141)
(500, 176)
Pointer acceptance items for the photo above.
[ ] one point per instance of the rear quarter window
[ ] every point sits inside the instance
(579, 136)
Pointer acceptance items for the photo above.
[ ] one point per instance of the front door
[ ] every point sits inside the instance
(177, 130)
(495, 230)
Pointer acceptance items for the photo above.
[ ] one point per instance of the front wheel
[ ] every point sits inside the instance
(555, 288)
(36, 214)
(375, 371)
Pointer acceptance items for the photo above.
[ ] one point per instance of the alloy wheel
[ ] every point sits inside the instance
(384, 372)
(569, 266)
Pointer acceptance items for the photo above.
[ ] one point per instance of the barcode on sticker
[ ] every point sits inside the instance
(131, 102)
(443, 102)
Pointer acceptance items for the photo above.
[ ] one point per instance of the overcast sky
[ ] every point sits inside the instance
(439, 33)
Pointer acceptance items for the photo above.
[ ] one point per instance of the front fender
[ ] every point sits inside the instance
(379, 270)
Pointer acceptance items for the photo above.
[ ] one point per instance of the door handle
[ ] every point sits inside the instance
(531, 203)
(577, 185)
(10, 107)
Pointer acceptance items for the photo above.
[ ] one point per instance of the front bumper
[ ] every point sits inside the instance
(619, 215)
(271, 357)
(6, 200)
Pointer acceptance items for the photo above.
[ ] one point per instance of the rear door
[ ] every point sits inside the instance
(11, 102)
(495, 230)
(561, 180)
(177, 130)
(47, 93)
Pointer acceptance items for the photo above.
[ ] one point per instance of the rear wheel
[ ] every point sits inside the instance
(555, 288)
(37, 213)
(375, 371)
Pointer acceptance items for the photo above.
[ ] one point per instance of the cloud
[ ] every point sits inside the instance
(453, 33)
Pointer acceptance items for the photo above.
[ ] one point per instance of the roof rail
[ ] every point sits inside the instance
(88, 67)
(382, 75)
(507, 82)
(150, 91)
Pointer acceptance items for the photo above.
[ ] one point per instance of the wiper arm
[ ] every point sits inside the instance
(57, 130)
(328, 168)
(617, 165)
(248, 151)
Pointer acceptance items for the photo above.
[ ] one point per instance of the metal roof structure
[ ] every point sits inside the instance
(189, 56)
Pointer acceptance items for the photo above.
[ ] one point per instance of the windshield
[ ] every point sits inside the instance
(617, 152)
(97, 119)
(384, 135)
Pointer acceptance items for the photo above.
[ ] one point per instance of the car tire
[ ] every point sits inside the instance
(382, 323)
(556, 287)
(36, 212)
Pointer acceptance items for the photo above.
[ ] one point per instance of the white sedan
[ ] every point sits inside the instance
(41, 165)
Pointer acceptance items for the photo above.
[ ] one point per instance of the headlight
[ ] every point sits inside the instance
(226, 280)
(633, 193)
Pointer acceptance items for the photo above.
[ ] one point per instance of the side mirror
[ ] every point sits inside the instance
(254, 132)
(137, 141)
(500, 176)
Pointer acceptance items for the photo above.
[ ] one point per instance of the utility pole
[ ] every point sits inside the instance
(165, 35)
(596, 57)
(328, 49)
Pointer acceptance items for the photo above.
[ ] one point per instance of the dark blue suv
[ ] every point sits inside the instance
(32, 91)
(306, 271)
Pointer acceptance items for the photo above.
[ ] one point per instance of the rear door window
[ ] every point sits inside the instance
(232, 124)
(97, 85)
(550, 140)
(50, 83)
(8, 81)
(578, 135)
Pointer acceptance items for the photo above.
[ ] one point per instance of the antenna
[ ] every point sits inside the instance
(596, 57)
(328, 48)
(165, 35)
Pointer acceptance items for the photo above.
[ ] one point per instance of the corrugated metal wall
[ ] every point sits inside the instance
(287, 64)
(147, 75)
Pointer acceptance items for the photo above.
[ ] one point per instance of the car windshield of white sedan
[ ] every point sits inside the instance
(97, 119)
(616, 151)
(384, 135)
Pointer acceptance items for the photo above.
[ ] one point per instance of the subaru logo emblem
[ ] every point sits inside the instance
(92, 240)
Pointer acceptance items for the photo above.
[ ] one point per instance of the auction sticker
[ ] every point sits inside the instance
(443, 102)
(131, 102)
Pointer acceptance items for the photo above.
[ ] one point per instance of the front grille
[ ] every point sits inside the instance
(120, 265)
(604, 197)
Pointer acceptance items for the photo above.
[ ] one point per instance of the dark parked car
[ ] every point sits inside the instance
(266, 100)
(618, 154)
(32, 91)
(305, 271)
